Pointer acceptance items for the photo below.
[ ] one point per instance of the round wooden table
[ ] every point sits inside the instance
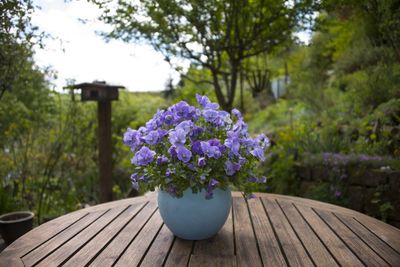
(271, 230)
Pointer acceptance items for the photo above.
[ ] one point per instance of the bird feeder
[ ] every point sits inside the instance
(103, 94)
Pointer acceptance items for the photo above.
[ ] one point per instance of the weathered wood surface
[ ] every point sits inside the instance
(271, 230)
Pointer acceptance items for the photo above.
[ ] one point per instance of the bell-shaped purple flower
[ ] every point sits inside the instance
(231, 167)
(132, 139)
(183, 154)
(143, 157)
(201, 162)
(162, 159)
(152, 138)
(177, 137)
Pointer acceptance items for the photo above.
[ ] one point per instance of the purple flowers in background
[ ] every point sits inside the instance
(202, 148)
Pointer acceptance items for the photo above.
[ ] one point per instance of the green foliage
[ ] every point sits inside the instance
(215, 35)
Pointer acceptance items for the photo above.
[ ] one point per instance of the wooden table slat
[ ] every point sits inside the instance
(213, 260)
(86, 254)
(136, 250)
(382, 230)
(180, 253)
(246, 244)
(293, 249)
(48, 247)
(313, 245)
(114, 249)
(364, 252)
(159, 249)
(379, 246)
(340, 251)
(74, 244)
(271, 252)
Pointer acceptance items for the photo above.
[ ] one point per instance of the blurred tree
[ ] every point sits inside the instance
(215, 35)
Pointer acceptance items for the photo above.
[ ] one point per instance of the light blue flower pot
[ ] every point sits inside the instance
(193, 217)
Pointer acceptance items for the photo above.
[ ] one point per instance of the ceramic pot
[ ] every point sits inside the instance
(193, 217)
(15, 224)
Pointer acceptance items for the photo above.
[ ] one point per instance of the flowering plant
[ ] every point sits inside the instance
(198, 148)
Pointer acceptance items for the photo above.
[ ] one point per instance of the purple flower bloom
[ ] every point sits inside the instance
(134, 180)
(202, 177)
(213, 182)
(233, 144)
(196, 131)
(210, 115)
(237, 113)
(183, 154)
(168, 117)
(252, 179)
(338, 193)
(196, 148)
(181, 109)
(132, 139)
(177, 137)
(262, 180)
(172, 190)
(152, 138)
(205, 102)
(251, 196)
(172, 152)
(169, 172)
(201, 162)
(231, 167)
(258, 152)
(162, 159)
(263, 140)
(185, 126)
(191, 166)
(143, 157)
(210, 188)
(210, 150)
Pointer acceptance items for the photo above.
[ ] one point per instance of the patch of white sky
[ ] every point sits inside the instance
(76, 52)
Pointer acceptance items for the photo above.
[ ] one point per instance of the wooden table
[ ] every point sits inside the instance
(271, 230)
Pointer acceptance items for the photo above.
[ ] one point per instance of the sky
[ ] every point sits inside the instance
(76, 52)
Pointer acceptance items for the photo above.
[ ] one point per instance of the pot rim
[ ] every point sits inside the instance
(29, 215)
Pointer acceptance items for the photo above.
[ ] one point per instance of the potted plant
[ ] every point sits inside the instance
(15, 224)
(193, 155)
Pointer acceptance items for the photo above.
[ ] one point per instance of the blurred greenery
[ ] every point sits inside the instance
(342, 97)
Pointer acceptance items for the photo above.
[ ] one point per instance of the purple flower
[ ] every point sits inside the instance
(210, 188)
(183, 154)
(203, 101)
(177, 137)
(210, 150)
(233, 144)
(196, 131)
(237, 113)
(185, 126)
(143, 157)
(262, 180)
(196, 148)
(252, 179)
(162, 159)
(172, 190)
(172, 152)
(210, 115)
(168, 118)
(263, 140)
(251, 196)
(338, 193)
(191, 166)
(201, 162)
(132, 139)
(181, 109)
(258, 152)
(134, 180)
(231, 167)
(169, 172)
(152, 138)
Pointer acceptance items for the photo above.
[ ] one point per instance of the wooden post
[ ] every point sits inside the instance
(105, 149)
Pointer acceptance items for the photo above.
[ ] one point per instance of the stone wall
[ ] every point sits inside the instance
(375, 192)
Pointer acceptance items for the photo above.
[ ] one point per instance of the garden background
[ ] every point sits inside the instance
(331, 109)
